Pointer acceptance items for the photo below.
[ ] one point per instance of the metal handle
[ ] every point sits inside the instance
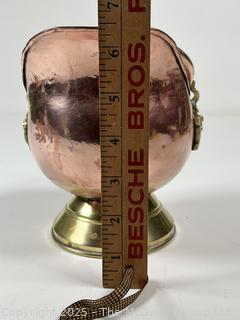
(25, 128)
(197, 117)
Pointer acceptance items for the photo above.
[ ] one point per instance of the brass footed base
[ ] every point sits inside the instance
(78, 227)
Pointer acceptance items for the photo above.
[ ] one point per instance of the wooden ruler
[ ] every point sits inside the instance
(124, 63)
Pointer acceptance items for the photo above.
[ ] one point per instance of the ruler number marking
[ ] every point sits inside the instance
(115, 220)
(114, 98)
(114, 141)
(113, 53)
(111, 5)
(114, 181)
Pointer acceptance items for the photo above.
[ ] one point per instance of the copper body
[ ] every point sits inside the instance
(61, 70)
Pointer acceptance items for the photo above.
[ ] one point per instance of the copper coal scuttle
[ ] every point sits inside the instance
(61, 77)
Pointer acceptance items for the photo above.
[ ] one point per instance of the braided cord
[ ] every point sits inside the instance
(114, 302)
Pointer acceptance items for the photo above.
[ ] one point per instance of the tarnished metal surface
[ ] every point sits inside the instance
(61, 78)
(78, 227)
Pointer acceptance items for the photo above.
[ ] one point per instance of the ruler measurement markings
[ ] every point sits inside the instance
(107, 70)
(114, 92)
(111, 136)
(111, 27)
(112, 46)
(112, 23)
(111, 114)
(109, 156)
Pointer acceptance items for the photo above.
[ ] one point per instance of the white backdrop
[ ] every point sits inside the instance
(208, 30)
(195, 277)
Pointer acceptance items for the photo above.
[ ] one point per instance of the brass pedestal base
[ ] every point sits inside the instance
(78, 227)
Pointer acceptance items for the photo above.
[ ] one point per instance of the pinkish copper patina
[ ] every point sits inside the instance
(60, 71)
